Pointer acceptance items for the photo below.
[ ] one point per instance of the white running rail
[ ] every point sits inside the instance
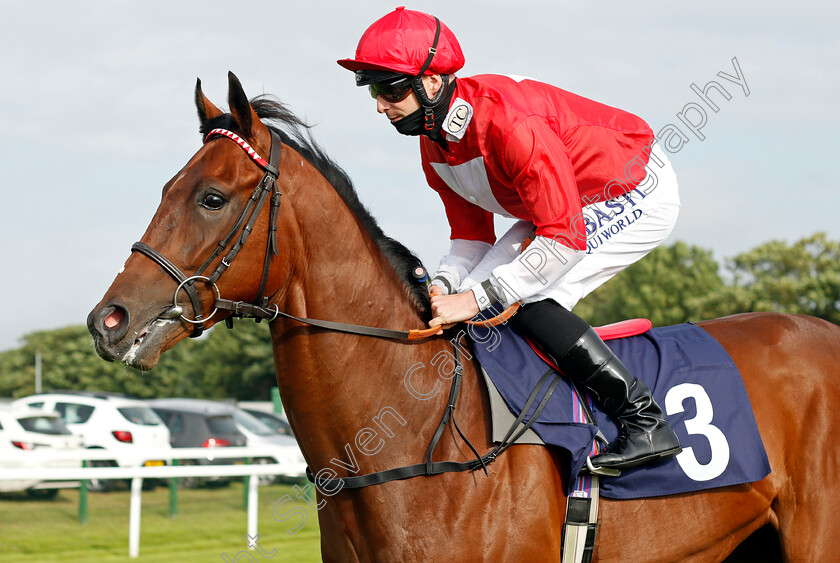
(137, 474)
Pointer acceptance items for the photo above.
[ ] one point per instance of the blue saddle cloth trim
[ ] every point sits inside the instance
(723, 449)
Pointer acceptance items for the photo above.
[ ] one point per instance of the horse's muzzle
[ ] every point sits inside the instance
(109, 326)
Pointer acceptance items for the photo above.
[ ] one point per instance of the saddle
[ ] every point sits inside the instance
(501, 415)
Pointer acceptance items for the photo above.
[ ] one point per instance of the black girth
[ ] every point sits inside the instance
(429, 467)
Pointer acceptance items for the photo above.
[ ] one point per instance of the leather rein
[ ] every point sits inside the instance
(242, 227)
(238, 234)
(267, 190)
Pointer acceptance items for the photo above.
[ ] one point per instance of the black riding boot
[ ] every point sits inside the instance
(644, 434)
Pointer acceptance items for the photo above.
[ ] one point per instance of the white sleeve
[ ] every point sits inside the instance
(455, 266)
(542, 264)
(506, 249)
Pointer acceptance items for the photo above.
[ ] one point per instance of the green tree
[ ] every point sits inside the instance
(237, 364)
(68, 361)
(668, 286)
(800, 278)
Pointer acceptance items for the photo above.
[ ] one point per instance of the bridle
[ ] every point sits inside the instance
(238, 235)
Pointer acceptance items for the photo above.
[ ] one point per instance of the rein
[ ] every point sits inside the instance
(241, 309)
(242, 227)
(238, 235)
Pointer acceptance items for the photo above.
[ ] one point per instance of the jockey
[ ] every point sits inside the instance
(592, 191)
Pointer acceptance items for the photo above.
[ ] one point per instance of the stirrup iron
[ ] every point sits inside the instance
(605, 471)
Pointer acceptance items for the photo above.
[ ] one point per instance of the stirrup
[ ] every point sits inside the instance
(605, 471)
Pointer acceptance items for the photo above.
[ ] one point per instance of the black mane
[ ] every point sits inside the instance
(295, 133)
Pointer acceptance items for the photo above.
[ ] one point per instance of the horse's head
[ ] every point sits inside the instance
(225, 194)
(193, 267)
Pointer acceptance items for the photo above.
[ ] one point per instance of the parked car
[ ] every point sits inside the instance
(273, 420)
(284, 449)
(200, 424)
(23, 430)
(126, 427)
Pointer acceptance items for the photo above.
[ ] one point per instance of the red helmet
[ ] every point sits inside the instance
(402, 42)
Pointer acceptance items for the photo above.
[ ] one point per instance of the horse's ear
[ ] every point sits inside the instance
(249, 123)
(206, 109)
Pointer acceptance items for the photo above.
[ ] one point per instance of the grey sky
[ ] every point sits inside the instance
(96, 114)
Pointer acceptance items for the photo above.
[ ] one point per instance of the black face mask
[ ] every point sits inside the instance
(415, 123)
(411, 124)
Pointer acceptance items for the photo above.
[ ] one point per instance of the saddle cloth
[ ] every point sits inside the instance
(692, 378)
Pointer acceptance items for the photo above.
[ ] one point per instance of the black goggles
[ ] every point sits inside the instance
(392, 91)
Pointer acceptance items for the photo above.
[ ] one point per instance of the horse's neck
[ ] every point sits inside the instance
(344, 276)
(348, 392)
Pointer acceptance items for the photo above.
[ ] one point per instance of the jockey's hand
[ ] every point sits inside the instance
(435, 290)
(450, 309)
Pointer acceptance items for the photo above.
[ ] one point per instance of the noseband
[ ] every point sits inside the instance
(240, 230)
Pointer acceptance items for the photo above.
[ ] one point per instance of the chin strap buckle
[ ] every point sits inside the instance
(429, 119)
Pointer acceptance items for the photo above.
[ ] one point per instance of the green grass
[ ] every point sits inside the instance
(210, 521)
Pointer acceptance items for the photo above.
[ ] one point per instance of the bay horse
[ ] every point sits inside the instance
(346, 397)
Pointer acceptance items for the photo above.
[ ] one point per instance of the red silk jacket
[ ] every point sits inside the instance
(529, 150)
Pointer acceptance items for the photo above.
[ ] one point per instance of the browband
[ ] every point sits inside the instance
(239, 141)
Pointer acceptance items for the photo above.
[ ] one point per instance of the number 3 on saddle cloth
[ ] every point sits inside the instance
(694, 381)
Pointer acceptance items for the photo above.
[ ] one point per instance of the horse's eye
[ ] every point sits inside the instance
(213, 201)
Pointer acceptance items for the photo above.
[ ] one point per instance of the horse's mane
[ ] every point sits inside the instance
(295, 133)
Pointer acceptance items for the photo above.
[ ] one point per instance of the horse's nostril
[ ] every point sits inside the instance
(113, 320)
(108, 324)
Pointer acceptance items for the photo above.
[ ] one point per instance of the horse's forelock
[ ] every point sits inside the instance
(224, 121)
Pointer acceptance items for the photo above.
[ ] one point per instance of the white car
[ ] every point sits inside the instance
(125, 427)
(23, 430)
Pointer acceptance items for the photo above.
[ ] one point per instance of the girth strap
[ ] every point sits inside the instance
(581, 522)
(430, 467)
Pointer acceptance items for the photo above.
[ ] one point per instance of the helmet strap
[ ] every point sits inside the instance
(429, 105)
(432, 49)
(420, 90)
